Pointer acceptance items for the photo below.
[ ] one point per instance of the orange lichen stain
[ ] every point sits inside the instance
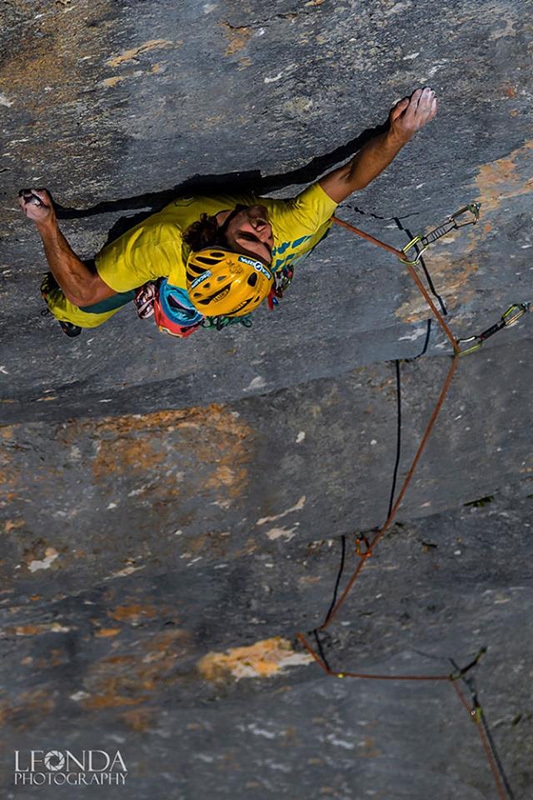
(260, 660)
(226, 476)
(238, 37)
(124, 659)
(12, 525)
(132, 678)
(505, 178)
(35, 630)
(133, 613)
(212, 441)
(11, 477)
(131, 55)
(104, 633)
(497, 182)
(27, 630)
(144, 448)
(112, 81)
(450, 276)
(309, 580)
(43, 70)
(110, 701)
(140, 719)
(367, 749)
(54, 659)
(28, 709)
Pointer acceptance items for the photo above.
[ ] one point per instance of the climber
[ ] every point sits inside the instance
(205, 261)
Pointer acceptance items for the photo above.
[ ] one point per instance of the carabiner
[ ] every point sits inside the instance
(507, 320)
(471, 208)
(360, 540)
(514, 312)
(422, 242)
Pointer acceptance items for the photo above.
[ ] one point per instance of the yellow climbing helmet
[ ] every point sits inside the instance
(223, 283)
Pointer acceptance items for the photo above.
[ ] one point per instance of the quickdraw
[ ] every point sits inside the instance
(421, 243)
(459, 674)
(507, 320)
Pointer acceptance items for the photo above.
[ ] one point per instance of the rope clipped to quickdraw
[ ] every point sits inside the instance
(467, 215)
(421, 243)
(364, 547)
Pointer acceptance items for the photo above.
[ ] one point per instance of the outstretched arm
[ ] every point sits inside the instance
(78, 283)
(405, 119)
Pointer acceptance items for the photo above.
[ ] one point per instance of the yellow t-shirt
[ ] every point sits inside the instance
(155, 248)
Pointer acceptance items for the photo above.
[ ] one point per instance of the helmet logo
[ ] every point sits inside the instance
(250, 261)
(197, 281)
(257, 265)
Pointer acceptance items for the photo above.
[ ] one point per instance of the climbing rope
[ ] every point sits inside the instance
(400, 254)
(364, 548)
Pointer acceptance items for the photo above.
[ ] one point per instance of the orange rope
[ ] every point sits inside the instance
(486, 746)
(399, 254)
(378, 536)
(368, 237)
(363, 675)
(380, 533)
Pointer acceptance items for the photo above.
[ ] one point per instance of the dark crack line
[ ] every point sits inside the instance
(470, 684)
(257, 23)
(233, 183)
(397, 459)
(358, 210)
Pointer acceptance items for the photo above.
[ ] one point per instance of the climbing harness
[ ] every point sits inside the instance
(455, 221)
(507, 320)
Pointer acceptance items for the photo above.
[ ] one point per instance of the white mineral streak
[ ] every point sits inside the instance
(298, 507)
